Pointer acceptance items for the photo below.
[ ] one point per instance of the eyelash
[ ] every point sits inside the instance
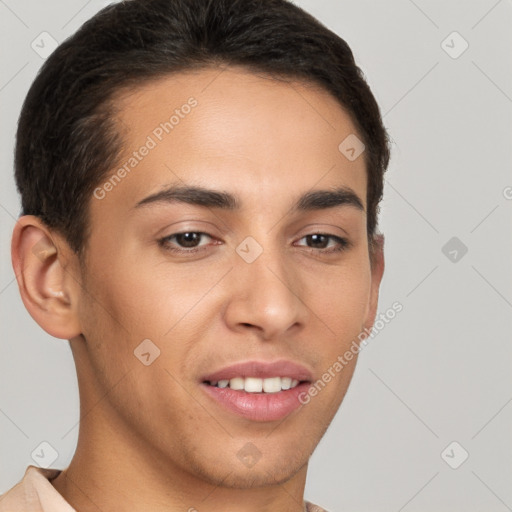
(343, 243)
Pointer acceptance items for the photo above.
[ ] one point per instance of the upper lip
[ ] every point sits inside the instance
(262, 370)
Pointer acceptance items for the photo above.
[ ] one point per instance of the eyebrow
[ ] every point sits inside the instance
(200, 196)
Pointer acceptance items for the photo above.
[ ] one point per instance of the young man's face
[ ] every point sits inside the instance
(253, 291)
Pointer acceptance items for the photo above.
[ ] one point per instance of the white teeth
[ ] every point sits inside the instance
(257, 385)
(237, 383)
(253, 385)
(286, 382)
(272, 385)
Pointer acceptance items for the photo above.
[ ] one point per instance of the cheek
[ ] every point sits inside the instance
(121, 310)
(340, 307)
(149, 299)
(130, 302)
(340, 298)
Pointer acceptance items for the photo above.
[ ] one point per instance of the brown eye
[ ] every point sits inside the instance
(188, 241)
(326, 243)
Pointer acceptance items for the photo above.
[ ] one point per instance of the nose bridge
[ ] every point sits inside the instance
(267, 293)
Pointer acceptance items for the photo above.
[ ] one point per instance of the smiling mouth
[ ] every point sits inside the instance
(256, 384)
(260, 399)
(258, 390)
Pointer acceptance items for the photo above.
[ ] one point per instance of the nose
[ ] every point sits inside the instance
(266, 297)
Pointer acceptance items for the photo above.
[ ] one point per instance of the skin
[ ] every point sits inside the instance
(150, 438)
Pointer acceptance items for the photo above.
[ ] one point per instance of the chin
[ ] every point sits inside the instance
(235, 474)
(262, 477)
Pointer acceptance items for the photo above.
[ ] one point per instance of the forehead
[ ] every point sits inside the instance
(236, 129)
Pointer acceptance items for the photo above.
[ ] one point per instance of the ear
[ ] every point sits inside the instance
(377, 270)
(45, 269)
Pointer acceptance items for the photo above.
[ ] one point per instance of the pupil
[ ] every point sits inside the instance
(319, 240)
(188, 239)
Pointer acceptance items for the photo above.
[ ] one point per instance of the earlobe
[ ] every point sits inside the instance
(40, 260)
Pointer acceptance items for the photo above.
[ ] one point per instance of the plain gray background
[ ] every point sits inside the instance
(439, 372)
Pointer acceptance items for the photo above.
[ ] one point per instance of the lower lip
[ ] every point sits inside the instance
(258, 406)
